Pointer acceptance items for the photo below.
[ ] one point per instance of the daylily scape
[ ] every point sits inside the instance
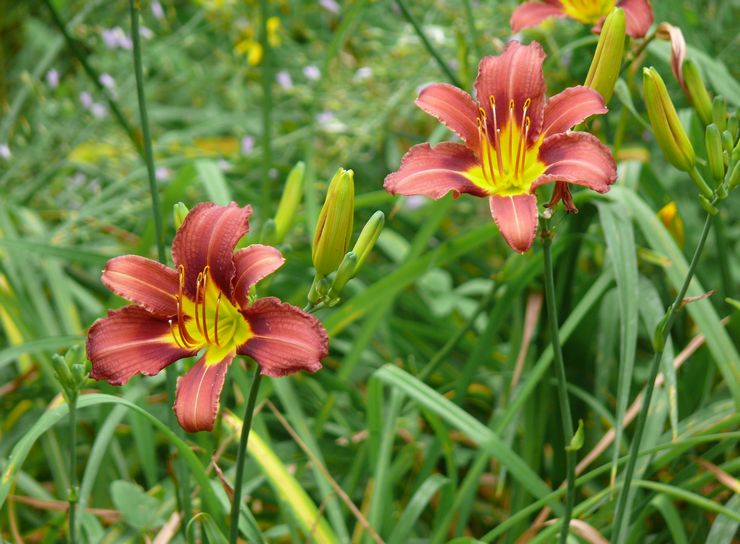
(203, 306)
(515, 139)
(638, 13)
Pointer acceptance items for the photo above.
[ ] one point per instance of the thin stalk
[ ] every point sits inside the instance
(73, 493)
(246, 427)
(428, 45)
(565, 415)
(92, 74)
(722, 254)
(266, 81)
(471, 28)
(148, 153)
(621, 518)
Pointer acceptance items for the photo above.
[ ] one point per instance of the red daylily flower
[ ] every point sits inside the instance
(515, 140)
(638, 13)
(201, 306)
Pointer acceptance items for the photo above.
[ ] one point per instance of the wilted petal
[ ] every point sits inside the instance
(570, 107)
(639, 15)
(252, 264)
(515, 75)
(562, 192)
(667, 31)
(208, 237)
(516, 218)
(131, 341)
(199, 393)
(144, 282)
(453, 107)
(434, 171)
(285, 339)
(577, 157)
(533, 13)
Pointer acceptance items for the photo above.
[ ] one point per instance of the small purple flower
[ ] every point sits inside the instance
(273, 173)
(325, 117)
(330, 5)
(157, 10)
(247, 145)
(115, 38)
(414, 202)
(224, 165)
(86, 100)
(163, 173)
(363, 73)
(312, 72)
(284, 80)
(4, 151)
(98, 110)
(107, 81)
(52, 79)
(146, 33)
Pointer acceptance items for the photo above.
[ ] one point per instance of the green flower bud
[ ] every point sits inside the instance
(71, 372)
(607, 61)
(719, 112)
(716, 161)
(727, 142)
(734, 177)
(696, 91)
(732, 125)
(346, 272)
(268, 233)
(179, 212)
(289, 202)
(368, 237)
(334, 227)
(667, 127)
(707, 205)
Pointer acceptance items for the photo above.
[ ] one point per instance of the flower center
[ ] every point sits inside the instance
(588, 11)
(210, 321)
(508, 163)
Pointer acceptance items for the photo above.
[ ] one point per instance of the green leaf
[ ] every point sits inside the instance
(137, 508)
(414, 508)
(210, 528)
(672, 519)
(213, 181)
(724, 528)
(576, 443)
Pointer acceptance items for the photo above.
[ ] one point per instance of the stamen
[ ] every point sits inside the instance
(522, 144)
(197, 301)
(174, 336)
(205, 299)
(509, 123)
(188, 340)
(496, 144)
(485, 148)
(215, 319)
(525, 135)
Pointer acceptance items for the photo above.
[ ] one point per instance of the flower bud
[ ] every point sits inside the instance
(607, 61)
(334, 227)
(734, 177)
(268, 233)
(697, 91)
(346, 272)
(179, 212)
(732, 125)
(667, 127)
(289, 202)
(716, 161)
(727, 143)
(719, 112)
(707, 205)
(368, 237)
(71, 372)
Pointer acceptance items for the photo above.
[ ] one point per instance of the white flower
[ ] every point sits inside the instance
(312, 72)
(284, 80)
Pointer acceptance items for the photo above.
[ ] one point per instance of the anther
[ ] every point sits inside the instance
(215, 319)
(205, 300)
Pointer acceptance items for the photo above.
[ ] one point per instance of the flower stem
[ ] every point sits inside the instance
(565, 415)
(246, 427)
(428, 45)
(621, 517)
(266, 81)
(73, 494)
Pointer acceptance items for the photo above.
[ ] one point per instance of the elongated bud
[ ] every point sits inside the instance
(289, 202)
(696, 91)
(179, 212)
(732, 125)
(716, 161)
(667, 127)
(70, 372)
(334, 227)
(707, 205)
(268, 233)
(719, 112)
(734, 177)
(727, 143)
(607, 61)
(368, 237)
(346, 272)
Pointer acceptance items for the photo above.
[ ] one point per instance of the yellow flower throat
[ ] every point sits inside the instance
(508, 163)
(588, 11)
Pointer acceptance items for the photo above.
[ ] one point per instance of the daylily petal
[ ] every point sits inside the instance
(562, 192)
(453, 107)
(208, 237)
(533, 13)
(570, 107)
(199, 393)
(666, 31)
(284, 339)
(434, 171)
(144, 282)
(516, 218)
(252, 264)
(515, 75)
(130, 341)
(577, 157)
(638, 15)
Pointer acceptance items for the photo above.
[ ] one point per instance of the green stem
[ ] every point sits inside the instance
(148, 153)
(722, 254)
(621, 517)
(73, 493)
(246, 427)
(471, 28)
(565, 415)
(92, 74)
(266, 80)
(428, 45)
